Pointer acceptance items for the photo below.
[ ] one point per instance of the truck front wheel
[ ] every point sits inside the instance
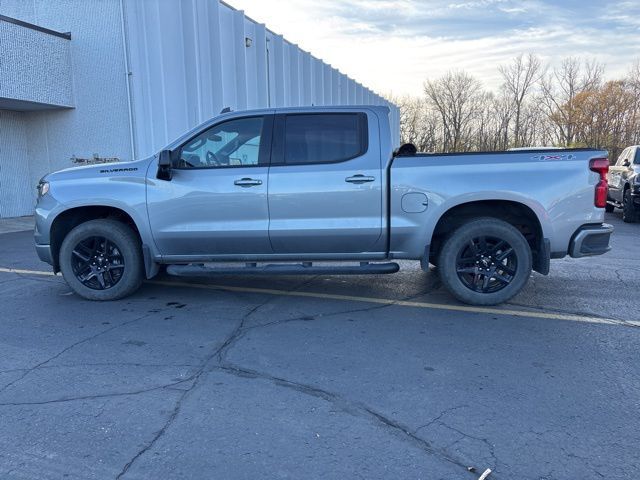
(102, 260)
(630, 213)
(485, 262)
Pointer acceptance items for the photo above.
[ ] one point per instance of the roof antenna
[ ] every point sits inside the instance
(226, 110)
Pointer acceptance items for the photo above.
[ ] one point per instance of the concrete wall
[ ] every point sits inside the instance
(99, 123)
(16, 198)
(35, 67)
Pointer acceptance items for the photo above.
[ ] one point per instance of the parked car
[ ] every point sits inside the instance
(624, 184)
(309, 185)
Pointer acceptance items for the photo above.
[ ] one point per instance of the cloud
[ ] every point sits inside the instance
(395, 45)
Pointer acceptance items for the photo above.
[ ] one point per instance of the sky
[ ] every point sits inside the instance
(393, 46)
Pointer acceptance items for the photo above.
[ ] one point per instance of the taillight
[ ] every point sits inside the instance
(601, 167)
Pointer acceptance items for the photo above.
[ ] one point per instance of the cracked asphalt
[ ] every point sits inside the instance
(186, 382)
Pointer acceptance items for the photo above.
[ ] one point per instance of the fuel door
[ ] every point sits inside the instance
(414, 202)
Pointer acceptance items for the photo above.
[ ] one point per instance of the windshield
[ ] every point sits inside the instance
(637, 160)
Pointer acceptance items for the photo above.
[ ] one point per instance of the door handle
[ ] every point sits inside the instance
(359, 179)
(247, 182)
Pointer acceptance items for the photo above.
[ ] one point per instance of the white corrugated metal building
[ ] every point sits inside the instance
(122, 78)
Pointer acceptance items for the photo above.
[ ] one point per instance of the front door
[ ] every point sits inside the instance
(616, 175)
(216, 202)
(325, 184)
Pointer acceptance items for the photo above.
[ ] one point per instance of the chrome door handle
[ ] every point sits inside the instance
(358, 179)
(247, 182)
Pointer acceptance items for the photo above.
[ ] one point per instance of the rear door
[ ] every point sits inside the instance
(326, 184)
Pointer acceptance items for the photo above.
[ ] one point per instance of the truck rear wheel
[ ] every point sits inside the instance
(485, 262)
(102, 260)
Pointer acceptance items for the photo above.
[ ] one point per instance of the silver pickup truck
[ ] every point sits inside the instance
(320, 191)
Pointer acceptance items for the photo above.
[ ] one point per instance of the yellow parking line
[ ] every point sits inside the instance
(374, 300)
(403, 303)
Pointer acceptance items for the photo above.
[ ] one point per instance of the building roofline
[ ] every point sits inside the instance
(15, 21)
(268, 30)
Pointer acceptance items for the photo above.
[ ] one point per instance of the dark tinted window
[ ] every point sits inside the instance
(235, 143)
(324, 138)
(637, 160)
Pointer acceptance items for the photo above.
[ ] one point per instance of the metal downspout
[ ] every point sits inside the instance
(128, 73)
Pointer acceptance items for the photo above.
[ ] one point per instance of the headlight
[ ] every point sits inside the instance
(43, 188)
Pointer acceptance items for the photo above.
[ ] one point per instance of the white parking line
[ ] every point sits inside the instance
(374, 300)
(25, 272)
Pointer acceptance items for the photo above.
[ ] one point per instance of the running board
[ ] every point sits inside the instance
(307, 268)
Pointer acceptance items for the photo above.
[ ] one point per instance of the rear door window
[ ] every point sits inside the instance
(324, 138)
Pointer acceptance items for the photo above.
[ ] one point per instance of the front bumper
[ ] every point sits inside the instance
(590, 240)
(44, 253)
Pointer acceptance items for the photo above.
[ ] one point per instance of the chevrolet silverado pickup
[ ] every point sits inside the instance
(321, 190)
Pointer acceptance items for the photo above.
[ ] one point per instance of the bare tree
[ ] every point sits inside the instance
(572, 107)
(604, 116)
(418, 124)
(519, 79)
(455, 97)
(633, 82)
(559, 89)
(503, 114)
(411, 123)
(533, 126)
(491, 124)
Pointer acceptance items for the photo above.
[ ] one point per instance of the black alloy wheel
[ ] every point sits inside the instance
(102, 259)
(486, 264)
(485, 261)
(98, 263)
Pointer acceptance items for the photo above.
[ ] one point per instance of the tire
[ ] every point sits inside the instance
(630, 213)
(485, 272)
(105, 249)
(609, 208)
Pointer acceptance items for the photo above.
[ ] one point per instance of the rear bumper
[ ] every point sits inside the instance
(591, 240)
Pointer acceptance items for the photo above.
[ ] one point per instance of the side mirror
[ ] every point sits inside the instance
(406, 150)
(164, 166)
(626, 163)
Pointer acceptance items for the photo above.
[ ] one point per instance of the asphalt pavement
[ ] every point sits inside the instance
(322, 377)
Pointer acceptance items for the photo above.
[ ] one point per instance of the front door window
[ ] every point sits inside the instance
(235, 143)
